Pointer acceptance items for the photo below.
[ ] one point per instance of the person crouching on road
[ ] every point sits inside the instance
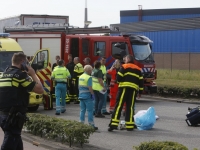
(130, 80)
(60, 74)
(86, 96)
(98, 87)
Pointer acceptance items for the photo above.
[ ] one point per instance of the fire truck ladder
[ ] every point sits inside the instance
(59, 28)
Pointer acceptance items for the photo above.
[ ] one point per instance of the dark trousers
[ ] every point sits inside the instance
(12, 136)
(76, 90)
(99, 99)
(127, 95)
(70, 88)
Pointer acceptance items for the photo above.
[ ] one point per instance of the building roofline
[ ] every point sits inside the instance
(151, 12)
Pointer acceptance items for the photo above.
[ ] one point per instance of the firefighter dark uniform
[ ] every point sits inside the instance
(130, 81)
(70, 86)
(14, 99)
(78, 71)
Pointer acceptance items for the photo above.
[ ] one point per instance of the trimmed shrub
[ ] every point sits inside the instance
(178, 92)
(59, 129)
(156, 145)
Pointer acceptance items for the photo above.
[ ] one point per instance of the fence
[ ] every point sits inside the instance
(181, 61)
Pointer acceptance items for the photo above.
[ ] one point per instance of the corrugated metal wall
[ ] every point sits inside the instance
(127, 19)
(178, 41)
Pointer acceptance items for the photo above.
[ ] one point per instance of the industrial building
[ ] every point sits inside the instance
(175, 34)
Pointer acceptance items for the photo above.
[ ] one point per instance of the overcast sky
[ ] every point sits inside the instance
(100, 12)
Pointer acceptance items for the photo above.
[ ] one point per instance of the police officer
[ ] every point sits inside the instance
(130, 81)
(103, 69)
(14, 99)
(86, 96)
(60, 75)
(70, 87)
(78, 71)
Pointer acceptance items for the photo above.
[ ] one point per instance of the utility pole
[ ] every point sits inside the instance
(86, 22)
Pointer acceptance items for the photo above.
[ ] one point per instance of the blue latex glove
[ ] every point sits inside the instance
(92, 96)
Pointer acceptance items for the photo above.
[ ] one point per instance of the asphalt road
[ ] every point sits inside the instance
(170, 126)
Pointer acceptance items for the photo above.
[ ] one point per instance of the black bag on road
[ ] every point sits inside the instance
(193, 116)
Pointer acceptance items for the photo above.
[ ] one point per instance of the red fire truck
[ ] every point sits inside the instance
(82, 43)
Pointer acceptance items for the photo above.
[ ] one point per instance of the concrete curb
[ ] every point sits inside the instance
(178, 100)
(53, 145)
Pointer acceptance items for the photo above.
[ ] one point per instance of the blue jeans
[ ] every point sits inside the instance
(60, 91)
(99, 99)
(12, 135)
(103, 110)
(86, 104)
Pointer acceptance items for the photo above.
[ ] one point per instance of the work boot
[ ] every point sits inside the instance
(129, 129)
(111, 128)
(106, 113)
(99, 116)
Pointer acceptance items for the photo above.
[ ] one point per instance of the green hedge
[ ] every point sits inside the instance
(179, 92)
(58, 129)
(156, 145)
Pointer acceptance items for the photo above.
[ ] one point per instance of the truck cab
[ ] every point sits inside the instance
(8, 47)
(115, 47)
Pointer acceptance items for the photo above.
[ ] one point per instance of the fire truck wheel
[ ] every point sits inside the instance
(33, 108)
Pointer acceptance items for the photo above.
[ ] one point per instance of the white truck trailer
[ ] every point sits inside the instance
(32, 42)
(32, 19)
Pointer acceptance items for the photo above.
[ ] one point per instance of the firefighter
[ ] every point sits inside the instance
(60, 75)
(130, 80)
(14, 99)
(78, 71)
(86, 96)
(113, 84)
(103, 69)
(70, 86)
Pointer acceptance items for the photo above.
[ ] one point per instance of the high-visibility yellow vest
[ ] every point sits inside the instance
(83, 83)
(103, 69)
(78, 70)
(60, 74)
(96, 85)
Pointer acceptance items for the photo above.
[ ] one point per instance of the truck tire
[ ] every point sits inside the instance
(33, 108)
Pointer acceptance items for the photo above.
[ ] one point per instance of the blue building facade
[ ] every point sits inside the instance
(167, 40)
(175, 34)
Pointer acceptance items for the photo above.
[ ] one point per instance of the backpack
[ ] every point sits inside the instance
(193, 116)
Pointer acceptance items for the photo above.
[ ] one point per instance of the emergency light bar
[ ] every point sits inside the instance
(4, 34)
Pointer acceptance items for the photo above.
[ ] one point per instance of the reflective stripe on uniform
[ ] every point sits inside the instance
(131, 116)
(120, 104)
(128, 84)
(7, 84)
